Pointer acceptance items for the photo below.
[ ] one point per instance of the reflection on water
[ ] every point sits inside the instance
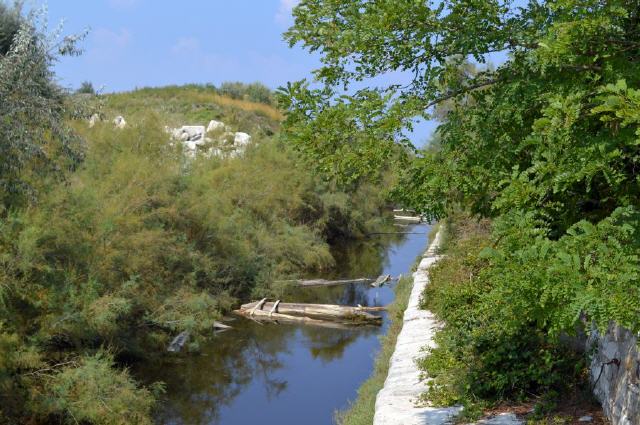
(286, 374)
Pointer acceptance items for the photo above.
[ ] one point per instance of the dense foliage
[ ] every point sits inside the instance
(255, 92)
(113, 240)
(34, 140)
(546, 145)
(493, 345)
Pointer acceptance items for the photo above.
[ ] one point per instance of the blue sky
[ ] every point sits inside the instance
(136, 43)
(139, 43)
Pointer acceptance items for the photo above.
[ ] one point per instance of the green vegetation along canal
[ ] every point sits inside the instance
(287, 374)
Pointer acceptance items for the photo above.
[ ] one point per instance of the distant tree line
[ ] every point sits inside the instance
(254, 92)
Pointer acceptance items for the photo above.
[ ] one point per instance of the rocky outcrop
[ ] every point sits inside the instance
(189, 133)
(615, 374)
(216, 126)
(195, 137)
(241, 140)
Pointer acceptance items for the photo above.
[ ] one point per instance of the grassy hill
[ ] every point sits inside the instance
(195, 104)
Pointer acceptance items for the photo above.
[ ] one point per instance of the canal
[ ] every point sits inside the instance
(288, 374)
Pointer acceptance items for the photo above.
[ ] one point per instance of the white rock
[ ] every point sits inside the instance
(501, 419)
(241, 139)
(192, 145)
(192, 132)
(119, 122)
(585, 419)
(215, 125)
(93, 120)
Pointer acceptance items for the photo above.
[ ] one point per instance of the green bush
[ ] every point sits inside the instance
(35, 144)
(92, 391)
(512, 300)
(86, 88)
(256, 92)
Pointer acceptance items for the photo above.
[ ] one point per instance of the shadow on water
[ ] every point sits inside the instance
(286, 374)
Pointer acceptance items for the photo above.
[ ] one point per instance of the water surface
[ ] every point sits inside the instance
(287, 374)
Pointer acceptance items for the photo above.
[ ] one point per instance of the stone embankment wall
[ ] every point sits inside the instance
(614, 369)
(396, 401)
(615, 374)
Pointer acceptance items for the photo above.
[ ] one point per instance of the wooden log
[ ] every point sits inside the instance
(257, 306)
(265, 316)
(381, 281)
(178, 342)
(376, 308)
(347, 314)
(217, 325)
(408, 218)
(395, 233)
(308, 283)
(275, 306)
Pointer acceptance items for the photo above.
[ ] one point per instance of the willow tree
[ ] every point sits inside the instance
(35, 142)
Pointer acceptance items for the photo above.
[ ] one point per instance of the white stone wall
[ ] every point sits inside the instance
(615, 371)
(396, 401)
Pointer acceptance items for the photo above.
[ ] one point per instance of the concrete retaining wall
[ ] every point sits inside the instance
(396, 401)
(615, 371)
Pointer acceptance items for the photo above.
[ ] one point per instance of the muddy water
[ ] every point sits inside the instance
(287, 374)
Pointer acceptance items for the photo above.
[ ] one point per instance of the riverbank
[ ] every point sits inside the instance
(363, 409)
(396, 401)
(474, 353)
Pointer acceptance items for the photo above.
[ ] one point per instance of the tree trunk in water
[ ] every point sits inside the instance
(330, 312)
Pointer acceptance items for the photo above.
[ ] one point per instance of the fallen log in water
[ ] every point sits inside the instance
(220, 326)
(409, 218)
(395, 233)
(263, 316)
(381, 281)
(307, 313)
(178, 342)
(309, 283)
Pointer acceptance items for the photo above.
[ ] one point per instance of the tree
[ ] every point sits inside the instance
(87, 88)
(34, 139)
(529, 115)
(9, 26)
(547, 144)
(255, 92)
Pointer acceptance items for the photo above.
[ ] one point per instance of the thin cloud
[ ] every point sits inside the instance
(200, 59)
(123, 4)
(186, 45)
(106, 37)
(283, 15)
(108, 47)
